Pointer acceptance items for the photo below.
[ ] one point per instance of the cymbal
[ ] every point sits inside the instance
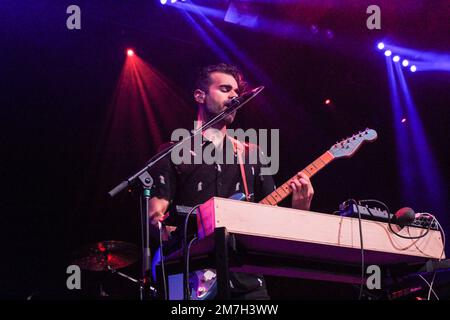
(102, 256)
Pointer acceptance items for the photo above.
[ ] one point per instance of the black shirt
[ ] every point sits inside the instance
(189, 184)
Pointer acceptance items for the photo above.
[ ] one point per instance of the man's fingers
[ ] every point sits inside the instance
(303, 181)
(307, 186)
(293, 187)
(302, 186)
(299, 188)
(303, 175)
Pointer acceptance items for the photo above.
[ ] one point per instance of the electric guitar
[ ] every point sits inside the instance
(203, 285)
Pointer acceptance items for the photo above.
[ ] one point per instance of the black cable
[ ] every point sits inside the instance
(186, 292)
(362, 249)
(161, 252)
(441, 230)
(417, 237)
(187, 260)
(143, 238)
(390, 215)
(362, 246)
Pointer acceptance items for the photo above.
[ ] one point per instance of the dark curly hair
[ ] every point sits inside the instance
(204, 80)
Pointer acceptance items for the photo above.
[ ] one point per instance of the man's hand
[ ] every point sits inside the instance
(166, 231)
(157, 208)
(302, 192)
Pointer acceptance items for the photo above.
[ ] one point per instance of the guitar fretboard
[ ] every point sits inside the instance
(285, 189)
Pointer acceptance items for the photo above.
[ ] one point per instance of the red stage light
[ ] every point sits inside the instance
(327, 101)
(130, 52)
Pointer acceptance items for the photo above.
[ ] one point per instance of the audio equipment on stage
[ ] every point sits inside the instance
(350, 209)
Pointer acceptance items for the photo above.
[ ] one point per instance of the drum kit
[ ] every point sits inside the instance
(108, 257)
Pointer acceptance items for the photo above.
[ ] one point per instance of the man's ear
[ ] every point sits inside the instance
(199, 96)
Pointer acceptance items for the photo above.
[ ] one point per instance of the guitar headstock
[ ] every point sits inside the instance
(347, 147)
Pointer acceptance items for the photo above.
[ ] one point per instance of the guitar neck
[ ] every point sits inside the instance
(285, 189)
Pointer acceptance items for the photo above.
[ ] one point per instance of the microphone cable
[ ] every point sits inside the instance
(362, 249)
(186, 292)
(161, 253)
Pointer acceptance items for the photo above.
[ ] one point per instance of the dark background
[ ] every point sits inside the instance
(60, 156)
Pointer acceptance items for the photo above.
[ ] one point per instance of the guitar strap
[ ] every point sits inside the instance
(239, 148)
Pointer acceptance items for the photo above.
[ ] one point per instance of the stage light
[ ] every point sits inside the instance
(388, 53)
(405, 63)
(173, 1)
(396, 59)
(314, 28)
(413, 68)
(403, 120)
(163, 1)
(329, 34)
(130, 52)
(380, 45)
(327, 102)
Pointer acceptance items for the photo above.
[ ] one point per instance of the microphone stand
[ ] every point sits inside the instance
(147, 182)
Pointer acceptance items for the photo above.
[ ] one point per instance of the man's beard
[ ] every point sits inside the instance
(225, 121)
(229, 118)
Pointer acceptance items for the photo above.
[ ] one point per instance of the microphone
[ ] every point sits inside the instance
(243, 98)
(405, 216)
